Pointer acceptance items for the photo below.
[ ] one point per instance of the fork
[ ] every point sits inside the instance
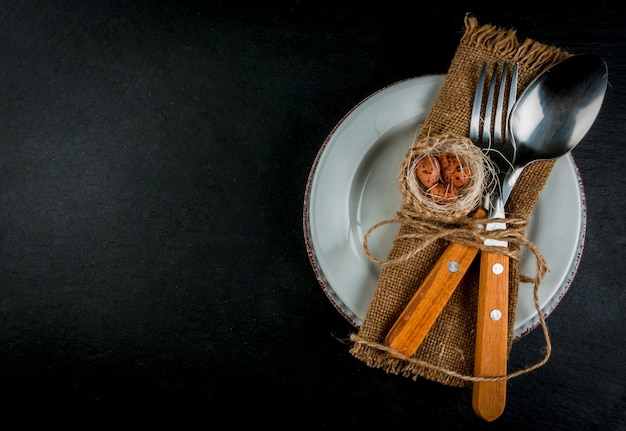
(423, 309)
(419, 315)
(492, 330)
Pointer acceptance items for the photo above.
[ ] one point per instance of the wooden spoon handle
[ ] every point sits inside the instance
(490, 359)
(422, 311)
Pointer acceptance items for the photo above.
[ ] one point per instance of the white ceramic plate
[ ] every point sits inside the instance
(353, 185)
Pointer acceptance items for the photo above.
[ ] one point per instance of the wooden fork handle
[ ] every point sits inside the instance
(426, 305)
(428, 302)
(490, 359)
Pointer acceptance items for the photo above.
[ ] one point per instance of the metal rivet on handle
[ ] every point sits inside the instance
(453, 266)
(495, 315)
(497, 268)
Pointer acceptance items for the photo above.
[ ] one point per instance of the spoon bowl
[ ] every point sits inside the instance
(555, 112)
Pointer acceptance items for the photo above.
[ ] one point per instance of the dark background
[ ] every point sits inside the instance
(153, 162)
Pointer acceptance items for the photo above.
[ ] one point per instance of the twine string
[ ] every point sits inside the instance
(466, 231)
(547, 351)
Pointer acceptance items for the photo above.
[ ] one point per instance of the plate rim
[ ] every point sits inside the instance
(329, 292)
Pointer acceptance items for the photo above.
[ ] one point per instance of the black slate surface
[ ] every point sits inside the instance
(154, 157)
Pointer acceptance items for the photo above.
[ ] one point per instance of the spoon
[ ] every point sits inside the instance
(549, 119)
(555, 112)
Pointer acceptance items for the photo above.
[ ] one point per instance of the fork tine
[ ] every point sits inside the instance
(497, 129)
(478, 101)
(512, 100)
(489, 108)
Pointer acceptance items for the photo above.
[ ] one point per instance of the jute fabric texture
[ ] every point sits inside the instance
(446, 355)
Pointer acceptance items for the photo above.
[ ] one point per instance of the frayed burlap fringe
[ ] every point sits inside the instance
(504, 43)
(447, 353)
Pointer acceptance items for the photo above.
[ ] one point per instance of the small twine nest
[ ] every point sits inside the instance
(482, 176)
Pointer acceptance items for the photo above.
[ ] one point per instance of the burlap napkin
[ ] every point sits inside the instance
(447, 353)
